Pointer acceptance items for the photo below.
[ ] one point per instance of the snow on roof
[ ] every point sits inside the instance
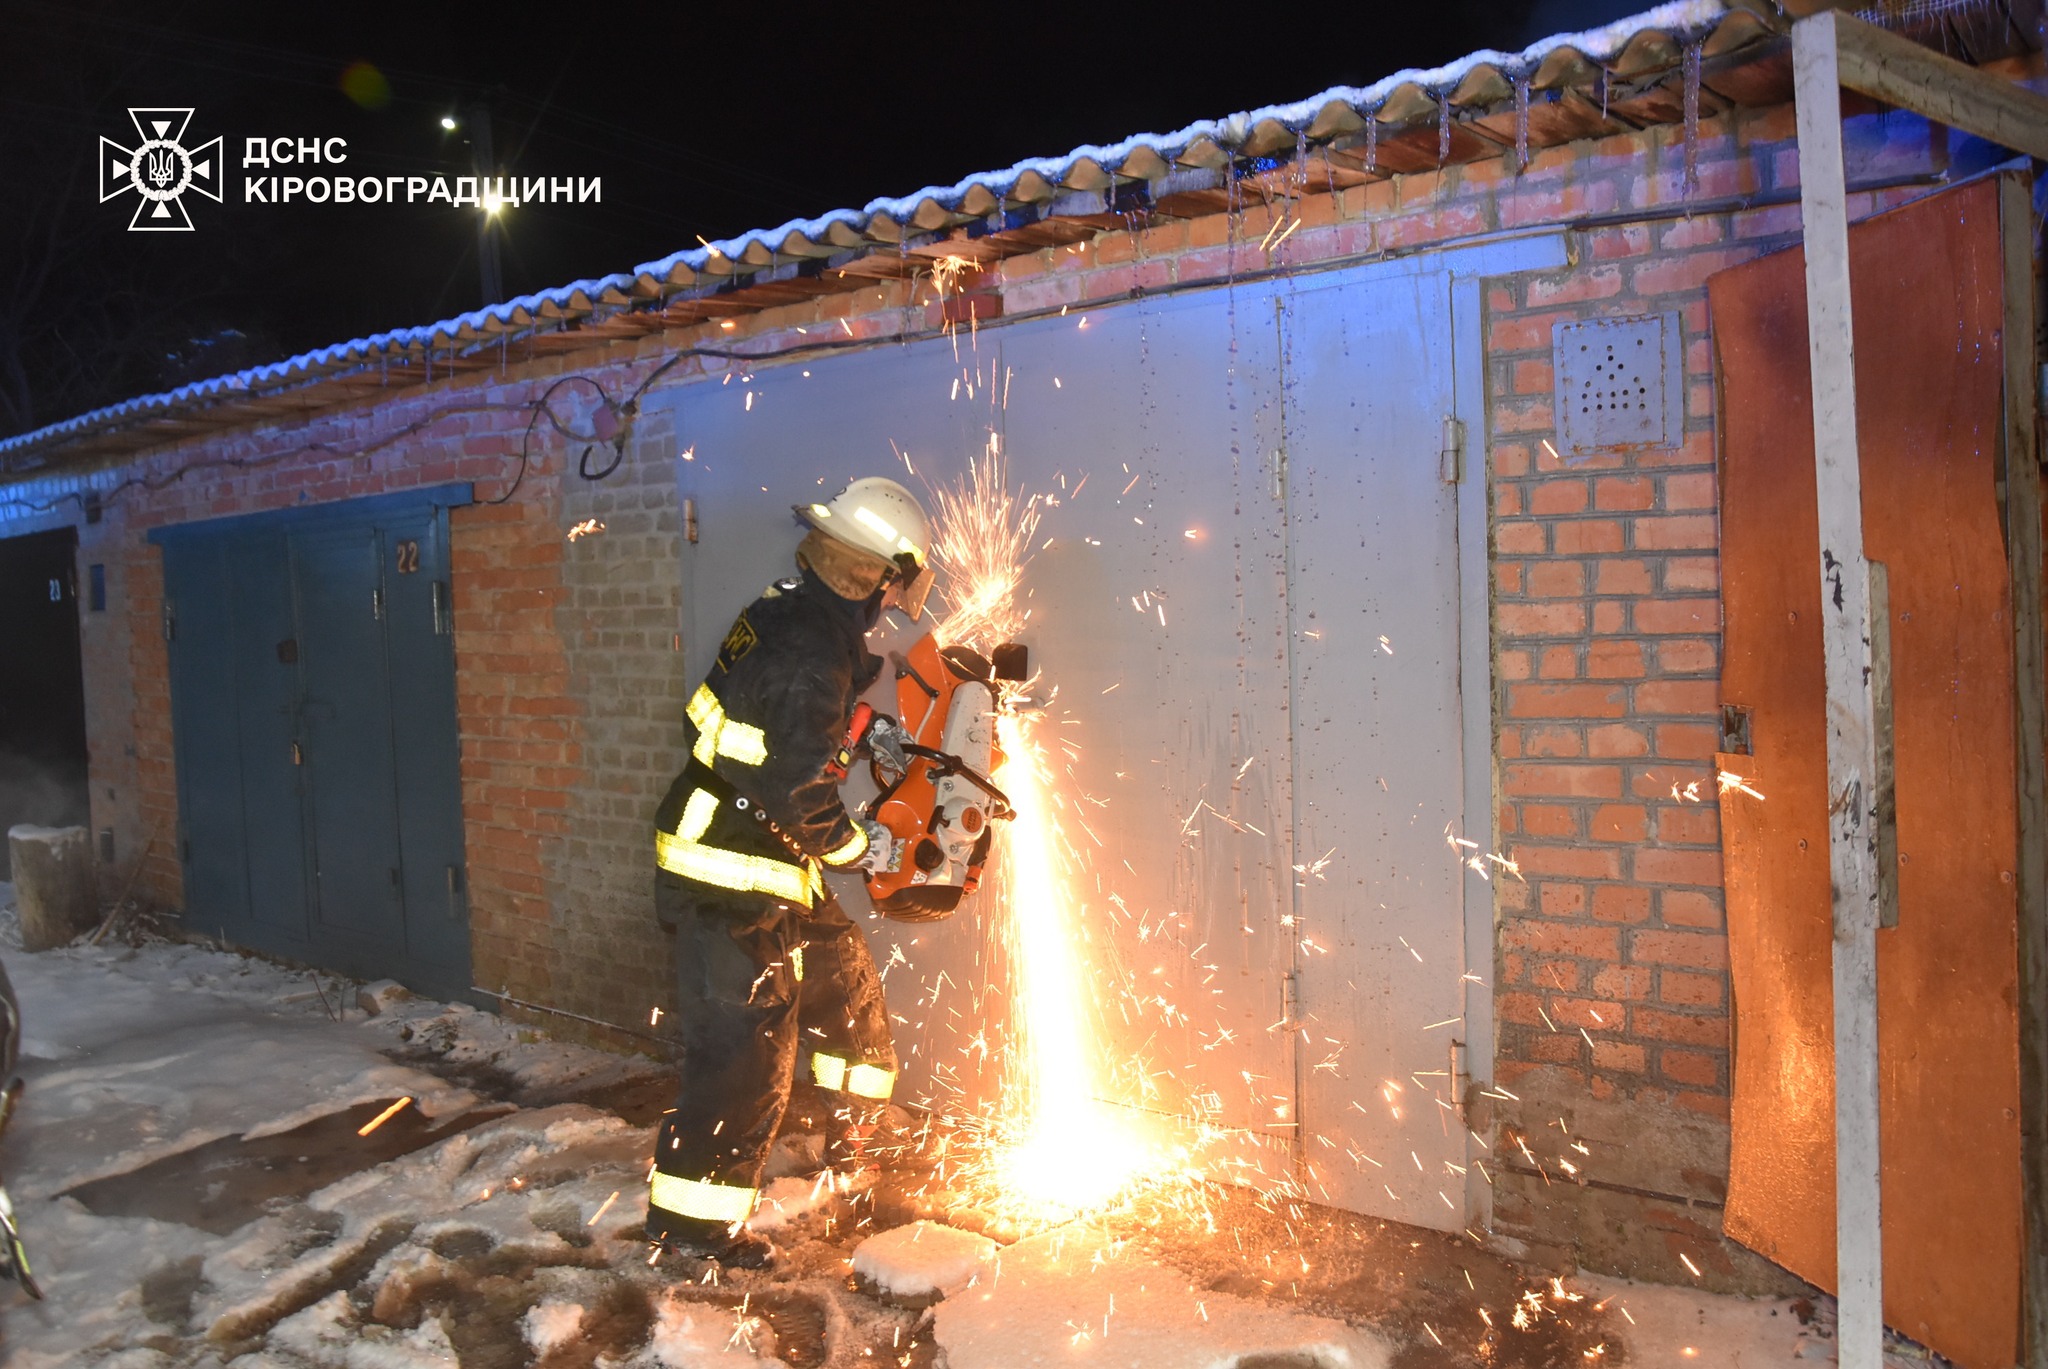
(1603, 45)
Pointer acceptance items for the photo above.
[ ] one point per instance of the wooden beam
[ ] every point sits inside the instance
(1854, 649)
(1900, 72)
(2022, 472)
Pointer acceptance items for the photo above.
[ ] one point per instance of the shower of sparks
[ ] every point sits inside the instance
(1730, 780)
(381, 1118)
(587, 528)
(603, 1208)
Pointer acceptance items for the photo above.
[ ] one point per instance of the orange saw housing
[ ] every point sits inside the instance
(940, 809)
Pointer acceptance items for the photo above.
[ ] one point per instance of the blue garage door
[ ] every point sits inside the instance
(313, 714)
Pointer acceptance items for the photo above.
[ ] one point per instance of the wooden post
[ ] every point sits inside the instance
(1854, 659)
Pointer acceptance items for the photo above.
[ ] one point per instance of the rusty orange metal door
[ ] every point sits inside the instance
(1928, 307)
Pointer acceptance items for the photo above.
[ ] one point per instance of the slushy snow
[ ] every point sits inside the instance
(923, 1260)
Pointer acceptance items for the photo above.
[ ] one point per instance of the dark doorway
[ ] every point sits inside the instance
(42, 685)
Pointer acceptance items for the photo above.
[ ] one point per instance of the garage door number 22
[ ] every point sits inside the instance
(408, 557)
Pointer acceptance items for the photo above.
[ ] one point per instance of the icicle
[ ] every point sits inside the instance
(1372, 141)
(1443, 129)
(1692, 115)
(1301, 161)
(1521, 123)
(1604, 80)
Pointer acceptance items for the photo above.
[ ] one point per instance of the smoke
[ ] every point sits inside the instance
(40, 794)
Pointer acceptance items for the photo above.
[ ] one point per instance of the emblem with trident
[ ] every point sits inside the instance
(160, 170)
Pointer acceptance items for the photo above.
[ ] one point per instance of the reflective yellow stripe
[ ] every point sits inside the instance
(719, 735)
(697, 815)
(796, 962)
(695, 1198)
(865, 1081)
(735, 869)
(850, 850)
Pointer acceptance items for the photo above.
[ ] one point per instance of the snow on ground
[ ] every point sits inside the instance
(194, 1194)
(1078, 1293)
(922, 1261)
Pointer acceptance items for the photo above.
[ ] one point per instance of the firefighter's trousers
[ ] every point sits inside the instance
(766, 989)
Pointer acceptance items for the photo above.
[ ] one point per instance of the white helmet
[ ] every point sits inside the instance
(878, 516)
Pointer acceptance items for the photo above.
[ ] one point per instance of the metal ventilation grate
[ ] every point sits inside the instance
(1619, 384)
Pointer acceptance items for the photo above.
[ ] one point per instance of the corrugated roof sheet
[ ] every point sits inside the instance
(1624, 75)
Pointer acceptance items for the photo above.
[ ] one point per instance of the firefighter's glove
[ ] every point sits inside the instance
(884, 852)
(885, 741)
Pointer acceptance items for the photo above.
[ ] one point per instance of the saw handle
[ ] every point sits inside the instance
(856, 730)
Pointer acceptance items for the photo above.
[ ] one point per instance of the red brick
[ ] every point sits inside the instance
(1621, 903)
(1622, 577)
(1690, 824)
(1521, 333)
(1575, 862)
(1510, 459)
(1557, 579)
(1686, 658)
(1559, 663)
(1689, 1067)
(1574, 287)
(1540, 620)
(1593, 1014)
(1656, 865)
(1552, 742)
(1561, 938)
(1691, 490)
(1688, 908)
(1507, 577)
(1617, 740)
(1557, 496)
(1656, 1025)
(1558, 1049)
(1587, 536)
(1711, 1105)
(1566, 701)
(1688, 741)
(1630, 983)
(1674, 532)
(1670, 616)
(1523, 1008)
(1619, 822)
(1694, 950)
(1532, 377)
(1562, 781)
(1695, 697)
(1679, 989)
(1614, 660)
(1624, 493)
(1696, 573)
(1512, 665)
(1618, 1056)
(1562, 900)
(1688, 272)
(1520, 538)
(1549, 820)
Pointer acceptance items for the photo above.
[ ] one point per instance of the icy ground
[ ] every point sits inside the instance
(189, 1178)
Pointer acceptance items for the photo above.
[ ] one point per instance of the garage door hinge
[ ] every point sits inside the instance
(377, 604)
(170, 621)
(1451, 460)
(1290, 998)
(440, 608)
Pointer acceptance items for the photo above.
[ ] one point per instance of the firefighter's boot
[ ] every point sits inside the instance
(737, 1248)
(850, 1148)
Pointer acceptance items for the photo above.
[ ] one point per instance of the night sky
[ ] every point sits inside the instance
(701, 120)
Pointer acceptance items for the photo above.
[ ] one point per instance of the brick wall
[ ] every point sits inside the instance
(1612, 986)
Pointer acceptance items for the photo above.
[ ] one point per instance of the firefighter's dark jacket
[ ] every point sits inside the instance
(793, 665)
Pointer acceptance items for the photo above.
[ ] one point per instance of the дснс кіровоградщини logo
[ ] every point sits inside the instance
(159, 170)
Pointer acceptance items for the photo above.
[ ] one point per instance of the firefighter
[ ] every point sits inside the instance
(773, 978)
